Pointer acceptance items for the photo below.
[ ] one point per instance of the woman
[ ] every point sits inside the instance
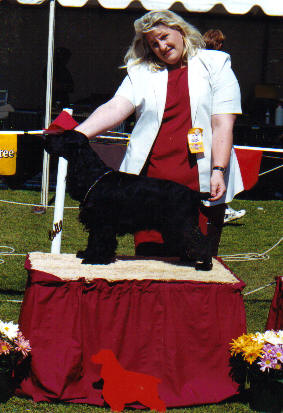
(177, 89)
(214, 39)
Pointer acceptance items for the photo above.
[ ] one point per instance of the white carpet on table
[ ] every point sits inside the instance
(68, 267)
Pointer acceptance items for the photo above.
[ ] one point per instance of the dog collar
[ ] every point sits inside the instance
(96, 182)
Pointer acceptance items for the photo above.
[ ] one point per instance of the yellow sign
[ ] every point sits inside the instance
(8, 154)
(195, 140)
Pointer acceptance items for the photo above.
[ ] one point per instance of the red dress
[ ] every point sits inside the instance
(170, 157)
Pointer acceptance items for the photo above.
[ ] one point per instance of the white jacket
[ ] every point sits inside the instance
(213, 89)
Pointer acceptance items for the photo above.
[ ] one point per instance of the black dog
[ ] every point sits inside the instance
(116, 203)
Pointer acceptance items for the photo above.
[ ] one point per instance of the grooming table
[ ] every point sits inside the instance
(159, 318)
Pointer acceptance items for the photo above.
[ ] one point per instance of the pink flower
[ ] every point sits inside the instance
(22, 345)
(267, 362)
(268, 349)
(278, 353)
(5, 347)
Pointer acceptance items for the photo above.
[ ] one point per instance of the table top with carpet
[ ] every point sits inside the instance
(158, 317)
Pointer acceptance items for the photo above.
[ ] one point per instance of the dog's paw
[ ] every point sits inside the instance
(81, 254)
(204, 266)
(187, 262)
(98, 261)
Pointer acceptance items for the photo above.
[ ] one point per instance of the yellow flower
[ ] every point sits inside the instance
(247, 346)
(252, 351)
(238, 345)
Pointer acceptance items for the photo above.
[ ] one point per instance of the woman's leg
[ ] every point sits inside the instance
(149, 243)
(211, 223)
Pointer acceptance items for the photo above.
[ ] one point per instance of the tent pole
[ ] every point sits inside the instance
(48, 105)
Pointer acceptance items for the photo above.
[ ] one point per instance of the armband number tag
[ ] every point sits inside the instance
(195, 140)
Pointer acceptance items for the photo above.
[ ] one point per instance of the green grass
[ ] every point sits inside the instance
(25, 231)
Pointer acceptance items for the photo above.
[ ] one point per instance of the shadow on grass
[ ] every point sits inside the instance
(13, 293)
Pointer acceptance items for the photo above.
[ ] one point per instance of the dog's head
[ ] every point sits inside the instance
(64, 144)
(103, 357)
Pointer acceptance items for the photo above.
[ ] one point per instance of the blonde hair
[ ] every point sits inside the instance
(140, 51)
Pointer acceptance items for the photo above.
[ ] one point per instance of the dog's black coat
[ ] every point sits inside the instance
(117, 203)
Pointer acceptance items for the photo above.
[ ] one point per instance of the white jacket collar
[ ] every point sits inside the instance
(160, 91)
(195, 83)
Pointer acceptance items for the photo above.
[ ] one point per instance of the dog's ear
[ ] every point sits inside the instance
(76, 137)
(49, 143)
(64, 144)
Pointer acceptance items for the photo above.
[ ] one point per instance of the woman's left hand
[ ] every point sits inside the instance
(217, 185)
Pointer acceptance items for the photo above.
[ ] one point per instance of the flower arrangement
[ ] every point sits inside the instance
(264, 349)
(13, 347)
(257, 359)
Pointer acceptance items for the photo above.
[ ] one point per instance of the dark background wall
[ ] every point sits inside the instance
(98, 39)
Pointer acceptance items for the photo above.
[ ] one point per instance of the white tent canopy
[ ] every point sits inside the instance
(270, 7)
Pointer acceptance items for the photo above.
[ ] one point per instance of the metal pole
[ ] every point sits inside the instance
(48, 105)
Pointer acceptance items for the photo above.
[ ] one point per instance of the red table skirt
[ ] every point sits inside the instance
(275, 316)
(176, 331)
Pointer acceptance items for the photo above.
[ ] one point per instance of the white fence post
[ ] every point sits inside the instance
(59, 202)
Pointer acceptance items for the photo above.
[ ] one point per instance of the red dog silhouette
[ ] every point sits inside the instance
(122, 386)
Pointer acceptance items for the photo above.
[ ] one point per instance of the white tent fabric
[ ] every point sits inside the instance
(270, 7)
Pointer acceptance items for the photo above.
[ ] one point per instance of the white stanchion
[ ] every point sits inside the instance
(59, 206)
(59, 202)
